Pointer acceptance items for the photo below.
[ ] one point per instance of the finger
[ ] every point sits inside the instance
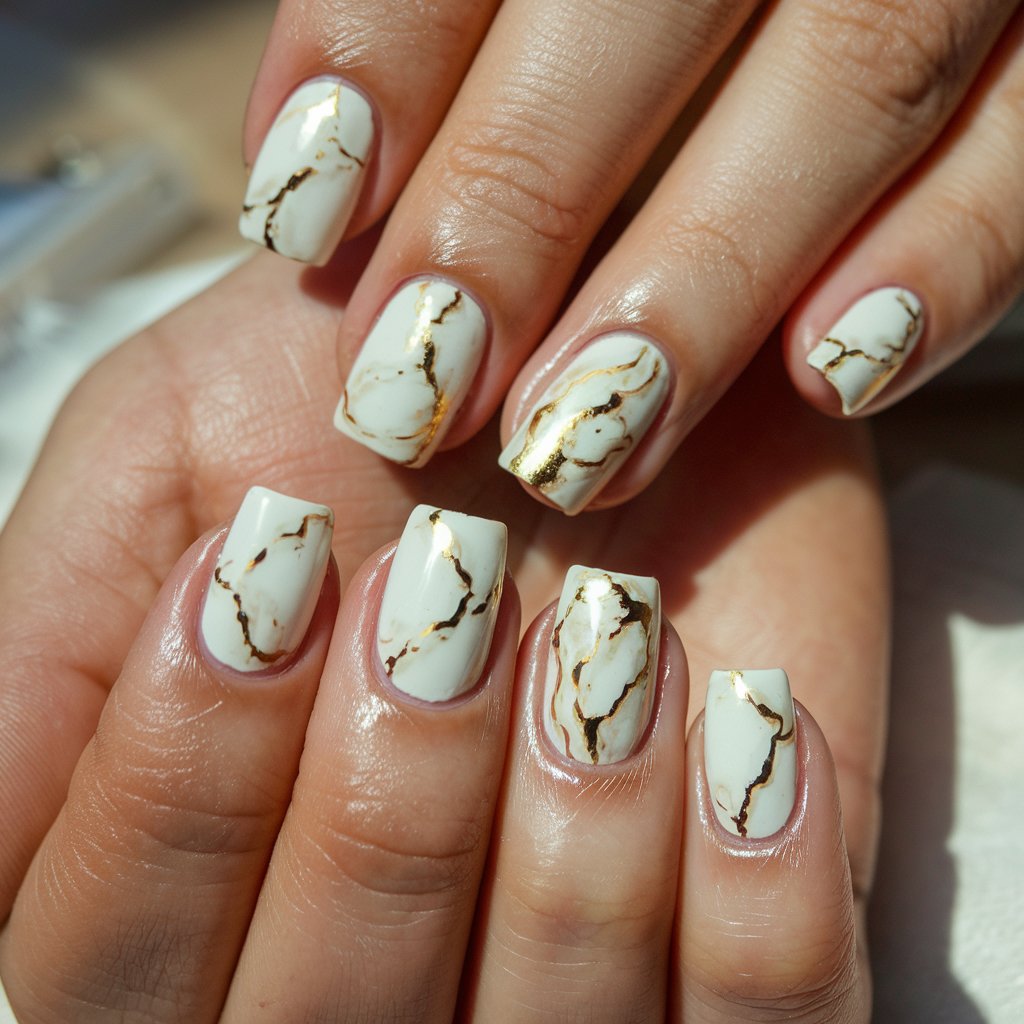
(576, 914)
(933, 267)
(371, 890)
(823, 111)
(559, 112)
(348, 95)
(139, 899)
(767, 922)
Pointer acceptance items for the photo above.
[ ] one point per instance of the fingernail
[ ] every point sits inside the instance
(441, 601)
(589, 420)
(868, 344)
(413, 371)
(601, 669)
(267, 581)
(306, 178)
(750, 750)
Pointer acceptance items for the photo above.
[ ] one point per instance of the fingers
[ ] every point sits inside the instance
(578, 907)
(932, 267)
(560, 111)
(823, 111)
(140, 896)
(368, 900)
(767, 923)
(346, 99)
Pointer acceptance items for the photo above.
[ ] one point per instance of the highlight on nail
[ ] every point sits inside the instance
(307, 176)
(602, 667)
(868, 344)
(589, 419)
(267, 580)
(440, 603)
(750, 750)
(414, 371)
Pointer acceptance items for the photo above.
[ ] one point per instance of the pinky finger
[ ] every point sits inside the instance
(768, 928)
(933, 268)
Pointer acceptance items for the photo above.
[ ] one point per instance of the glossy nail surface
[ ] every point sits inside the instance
(868, 345)
(441, 601)
(413, 371)
(750, 750)
(602, 665)
(307, 176)
(589, 419)
(267, 581)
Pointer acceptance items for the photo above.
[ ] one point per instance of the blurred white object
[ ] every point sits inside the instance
(95, 215)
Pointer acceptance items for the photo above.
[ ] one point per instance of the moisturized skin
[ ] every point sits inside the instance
(868, 344)
(267, 581)
(306, 179)
(750, 750)
(588, 421)
(441, 601)
(603, 662)
(413, 371)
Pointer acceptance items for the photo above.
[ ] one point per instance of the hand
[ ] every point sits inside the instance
(768, 543)
(858, 169)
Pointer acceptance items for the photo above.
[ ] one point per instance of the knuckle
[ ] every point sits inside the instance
(904, 59)
(166, 803)
(718, 248)
(816, 983)
(389, 850)
(509, 173)
(555, 911)
(963, 214)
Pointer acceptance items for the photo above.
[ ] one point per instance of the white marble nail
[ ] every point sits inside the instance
(868, 344)
(750, 750)
(602, 667)
(267, 581)
(413, 371)
(589, 419)
(441, 601)
(309, 170)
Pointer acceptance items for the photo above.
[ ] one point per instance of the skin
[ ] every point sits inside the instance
(834, 151)
(767, 535)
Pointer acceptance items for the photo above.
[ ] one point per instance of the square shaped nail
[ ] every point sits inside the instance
(589, 419)
(602, 667)
(413, 371)
(267, 581)
(750, 750)
(306, 178)
(868, 344)
(440, 604)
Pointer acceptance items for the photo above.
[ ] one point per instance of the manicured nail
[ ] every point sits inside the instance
(602, 665)
(750, 750)
(589, 420)
(441, 601)
(267, 581)
(306, 178)
(413, 371)
(868, 344)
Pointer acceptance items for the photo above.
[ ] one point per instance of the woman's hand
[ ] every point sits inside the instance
(857, 170)
(770, 551)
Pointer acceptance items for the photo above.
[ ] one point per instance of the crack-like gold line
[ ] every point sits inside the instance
(275, 202)
(424, 339)
(777, 737)
(548, 473)
(453, 620)
(633, 611)
(241, 615)
(889, 363)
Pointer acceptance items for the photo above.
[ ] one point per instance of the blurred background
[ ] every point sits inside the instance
(120, 181)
